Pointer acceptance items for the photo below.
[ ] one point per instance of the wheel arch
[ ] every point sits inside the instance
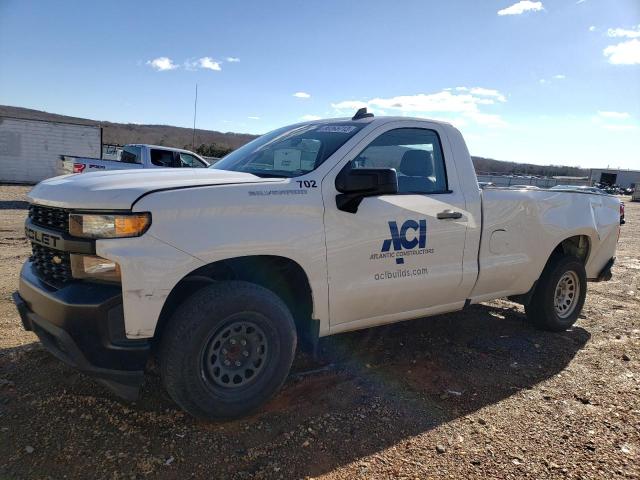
(281, 275)
(578, 245)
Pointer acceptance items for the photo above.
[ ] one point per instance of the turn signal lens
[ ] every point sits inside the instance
(131, 225)
(108, 225)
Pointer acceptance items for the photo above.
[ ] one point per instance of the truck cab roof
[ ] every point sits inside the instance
(159, 147)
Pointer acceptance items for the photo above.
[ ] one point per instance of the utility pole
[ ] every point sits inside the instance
(195, 110)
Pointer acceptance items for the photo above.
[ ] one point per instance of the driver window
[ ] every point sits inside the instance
(162, 158)
(414, 153)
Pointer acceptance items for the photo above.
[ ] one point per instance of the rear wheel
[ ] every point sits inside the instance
(227, 349)
(559, 295)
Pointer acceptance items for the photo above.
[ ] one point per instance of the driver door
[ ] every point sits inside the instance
(398, 256)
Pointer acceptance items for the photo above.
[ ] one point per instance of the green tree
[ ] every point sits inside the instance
(213, 150)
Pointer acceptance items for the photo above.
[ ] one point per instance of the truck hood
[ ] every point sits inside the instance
(119, 189)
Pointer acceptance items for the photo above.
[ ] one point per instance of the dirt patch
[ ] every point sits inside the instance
(475, 394)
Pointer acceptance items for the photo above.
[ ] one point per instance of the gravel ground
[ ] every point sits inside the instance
(474, 394)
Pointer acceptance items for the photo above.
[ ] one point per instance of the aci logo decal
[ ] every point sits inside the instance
(409, 239)
(399, 239)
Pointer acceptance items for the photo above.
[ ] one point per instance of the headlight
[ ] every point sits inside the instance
(98, 225)
(94, 268)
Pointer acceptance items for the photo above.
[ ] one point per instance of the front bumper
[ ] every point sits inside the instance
(82, 324)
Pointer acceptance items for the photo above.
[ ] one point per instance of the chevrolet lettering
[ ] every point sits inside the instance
(46, 239)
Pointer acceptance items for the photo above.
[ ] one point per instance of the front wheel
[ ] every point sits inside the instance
(559, 295)
(227, 349)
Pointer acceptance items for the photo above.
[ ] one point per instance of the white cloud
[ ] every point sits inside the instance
(310, 118)
(349, 105)
(302, 95)
(465, 102)
(481, 92)
(233, 59)
(490, 120)
(206, 63)
(253, 118)
(616, 115)
(162, 64)
(592, 28)
(625, 53)
(521, 7)
(615, 121)
(435, 102)
(621, 32)
(209, 63)
(559, 76)
(488, 92)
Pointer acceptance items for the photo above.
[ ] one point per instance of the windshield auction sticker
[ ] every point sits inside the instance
(336, 129)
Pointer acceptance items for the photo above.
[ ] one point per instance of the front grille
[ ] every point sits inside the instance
(50, 217)
(53, 266)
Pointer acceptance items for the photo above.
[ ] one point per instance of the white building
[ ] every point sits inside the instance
(611, 176)
(30, 149)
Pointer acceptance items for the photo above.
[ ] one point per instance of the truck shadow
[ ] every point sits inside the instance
(387, 384)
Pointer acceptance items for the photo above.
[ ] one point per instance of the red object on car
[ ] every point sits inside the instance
(78, 167)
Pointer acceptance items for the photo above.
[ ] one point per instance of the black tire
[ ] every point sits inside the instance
(191, 372)
(542, 310)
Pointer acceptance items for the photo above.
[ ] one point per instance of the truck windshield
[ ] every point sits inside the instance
(289, 151)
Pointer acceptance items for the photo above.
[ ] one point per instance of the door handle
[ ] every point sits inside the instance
(449, 214)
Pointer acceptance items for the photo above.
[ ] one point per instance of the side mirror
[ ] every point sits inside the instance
(356, 183)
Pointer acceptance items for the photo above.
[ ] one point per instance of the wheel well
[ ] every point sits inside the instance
(578, 246)
(281, 275)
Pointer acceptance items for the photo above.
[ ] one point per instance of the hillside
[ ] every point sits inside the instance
(489, 165)
(122, 133)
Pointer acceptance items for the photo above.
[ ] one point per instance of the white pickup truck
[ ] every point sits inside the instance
(134, 156)
(310, 230)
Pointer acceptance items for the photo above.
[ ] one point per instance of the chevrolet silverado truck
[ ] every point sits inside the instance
(132, 157)
(311, 230)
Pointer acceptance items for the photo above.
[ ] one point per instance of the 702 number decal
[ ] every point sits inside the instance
(307, 183)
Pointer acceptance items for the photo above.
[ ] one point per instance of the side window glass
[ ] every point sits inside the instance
(189, 161)
(131, 154)
(416, 155)
(162, 158)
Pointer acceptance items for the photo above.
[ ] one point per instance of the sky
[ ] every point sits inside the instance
(545, 82)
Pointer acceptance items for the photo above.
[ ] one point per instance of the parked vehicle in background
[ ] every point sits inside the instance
(635, 196)
(135, 156)
(310, 230)
(611, 189)
(579, 188)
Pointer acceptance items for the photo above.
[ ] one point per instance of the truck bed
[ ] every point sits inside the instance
(521, 228)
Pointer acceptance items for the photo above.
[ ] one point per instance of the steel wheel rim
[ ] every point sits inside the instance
(566, 295)
(235, 355)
